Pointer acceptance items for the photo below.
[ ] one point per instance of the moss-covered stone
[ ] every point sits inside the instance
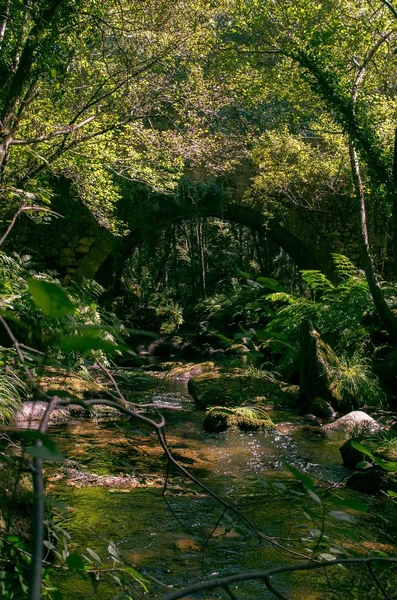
(372, 480)
(80, 387)
(321, 408)
(236, 387)
(219, 418)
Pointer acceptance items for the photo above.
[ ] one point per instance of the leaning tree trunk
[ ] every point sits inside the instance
(388, 319)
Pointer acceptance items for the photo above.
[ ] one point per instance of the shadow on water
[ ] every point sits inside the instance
(184, 536)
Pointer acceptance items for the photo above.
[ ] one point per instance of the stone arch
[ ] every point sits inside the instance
(306, 248)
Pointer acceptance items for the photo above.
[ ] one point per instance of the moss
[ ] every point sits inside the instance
(77, 386)
(236, 387)
(219, 419)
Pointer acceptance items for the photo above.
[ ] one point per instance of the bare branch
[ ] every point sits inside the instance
(4, 18)
(43, 138)
(26, 208)
(378, 583)
(390, 7)
(221, 582)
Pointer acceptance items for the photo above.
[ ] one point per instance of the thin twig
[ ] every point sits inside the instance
(26, 208)
(378, 583)
(221, 582)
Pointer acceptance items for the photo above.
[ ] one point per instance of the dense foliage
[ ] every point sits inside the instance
(213, 173)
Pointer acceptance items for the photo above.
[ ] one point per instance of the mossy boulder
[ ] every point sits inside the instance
(219, 418)
(370, 473)
(350, 455)
(236, 387)
(372, 480)
(180, 370)
(321, 408)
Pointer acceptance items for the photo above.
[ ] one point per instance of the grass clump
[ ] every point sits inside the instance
(355, 384)
(10, 398)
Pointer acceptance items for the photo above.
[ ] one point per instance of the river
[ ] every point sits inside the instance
(182, 535)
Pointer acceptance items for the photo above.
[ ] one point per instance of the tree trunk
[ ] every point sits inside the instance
(388, 319)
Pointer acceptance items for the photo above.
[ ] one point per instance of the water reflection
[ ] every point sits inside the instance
(187, 536)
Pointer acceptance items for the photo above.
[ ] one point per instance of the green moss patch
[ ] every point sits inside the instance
(237, 387)
(219, 419)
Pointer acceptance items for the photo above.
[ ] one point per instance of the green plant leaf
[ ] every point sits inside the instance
(75, 562)
(304, 479)
(50, 297)
(326, 556)
(364, 464)
(85, 343)
(55, 503)
(340, 515)
(353, 504)
(47, 451)
(94, 555)
(384, 464)
(314, 496)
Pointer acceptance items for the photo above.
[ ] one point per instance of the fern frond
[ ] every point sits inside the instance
(317, 281)
(344, 267)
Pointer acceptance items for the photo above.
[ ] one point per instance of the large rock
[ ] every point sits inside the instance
(350, 455)
(354, 422)
(236, 388)
(371, 481)
(322, 409)
(219, 418)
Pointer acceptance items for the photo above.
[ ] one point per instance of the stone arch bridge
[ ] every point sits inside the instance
(78, 246)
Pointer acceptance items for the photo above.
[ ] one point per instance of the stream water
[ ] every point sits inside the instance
(184, 535)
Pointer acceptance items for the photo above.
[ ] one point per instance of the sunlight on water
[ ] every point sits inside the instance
(188, 537)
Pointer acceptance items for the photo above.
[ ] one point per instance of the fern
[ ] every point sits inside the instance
(317, 281)
(344, 267)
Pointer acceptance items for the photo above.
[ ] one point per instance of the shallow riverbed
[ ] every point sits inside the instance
(183, 535)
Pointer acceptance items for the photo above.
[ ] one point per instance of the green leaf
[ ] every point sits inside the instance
(50, 297)
(314, 496)
(75, 562)
(47, 451)
(353, 504)
(136, 575)
(347, 532)
(94, 555)
(55, 503)
(304, 479)
(87, 342)
(114, 553)
(326, 556)
(340, 515)
(384, 464)
(44, 453)
(361, 448)
(271, 284)
(364, 464)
